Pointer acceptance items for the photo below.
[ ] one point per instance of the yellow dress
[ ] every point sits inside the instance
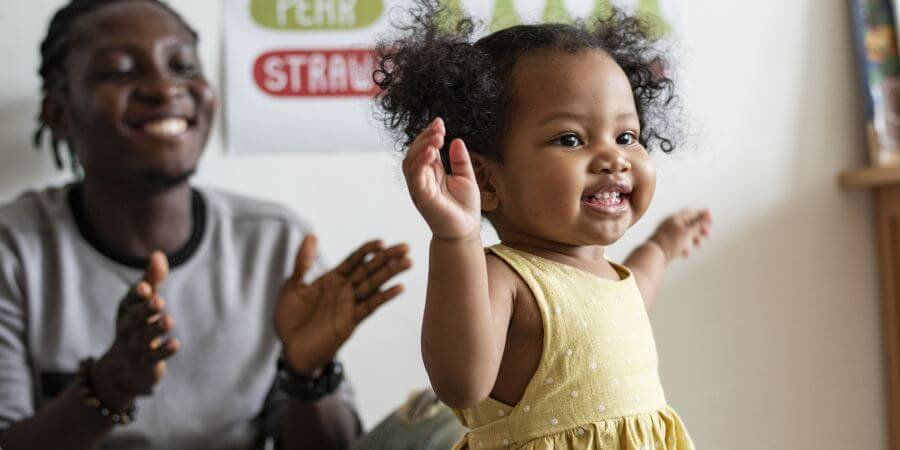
(597, 384)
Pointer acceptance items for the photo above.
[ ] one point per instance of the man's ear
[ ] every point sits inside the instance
(484, 174)
(54, 115)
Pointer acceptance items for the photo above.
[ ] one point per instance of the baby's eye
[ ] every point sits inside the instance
(627, 138)
(568, 140)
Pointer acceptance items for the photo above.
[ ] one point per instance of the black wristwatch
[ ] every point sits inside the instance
(310, 389)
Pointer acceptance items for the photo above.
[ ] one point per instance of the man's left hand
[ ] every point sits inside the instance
(313, 320)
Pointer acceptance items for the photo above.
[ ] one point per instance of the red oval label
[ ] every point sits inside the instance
(316, 73)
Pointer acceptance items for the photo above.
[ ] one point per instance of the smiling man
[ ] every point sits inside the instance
(138, 311)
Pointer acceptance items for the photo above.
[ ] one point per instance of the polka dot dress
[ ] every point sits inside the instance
(597, 385)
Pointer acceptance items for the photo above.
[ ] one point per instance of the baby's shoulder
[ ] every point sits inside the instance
(505, 282)
(500, 274)
(523, 308)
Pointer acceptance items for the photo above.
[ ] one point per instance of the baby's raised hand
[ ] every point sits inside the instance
(678, 234)
(450, 203)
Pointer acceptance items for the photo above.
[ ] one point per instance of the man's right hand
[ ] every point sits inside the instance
(136, 360)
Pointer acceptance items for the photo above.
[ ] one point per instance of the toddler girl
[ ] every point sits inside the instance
(539, 342)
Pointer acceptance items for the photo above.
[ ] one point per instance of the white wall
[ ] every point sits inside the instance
(769, 338)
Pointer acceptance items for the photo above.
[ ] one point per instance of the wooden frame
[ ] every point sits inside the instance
(886, 185)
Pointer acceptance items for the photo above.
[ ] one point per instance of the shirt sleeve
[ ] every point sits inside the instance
(16, 383)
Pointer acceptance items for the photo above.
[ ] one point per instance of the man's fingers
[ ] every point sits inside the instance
(143, 337)
(139, 314)
(346, 268)
(160, 351)
(386, 272)
(306, 257)
(367, 307)
(140, 292)
(157, 270)
(373, 265)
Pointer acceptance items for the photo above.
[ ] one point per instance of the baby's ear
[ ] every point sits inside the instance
(484, 174)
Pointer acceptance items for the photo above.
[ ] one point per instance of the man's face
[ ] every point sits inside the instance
(138, 106)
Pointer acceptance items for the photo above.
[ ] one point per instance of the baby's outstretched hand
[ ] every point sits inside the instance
(682, 231)
(450, 203)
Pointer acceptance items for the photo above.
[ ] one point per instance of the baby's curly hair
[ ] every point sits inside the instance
(433, 69)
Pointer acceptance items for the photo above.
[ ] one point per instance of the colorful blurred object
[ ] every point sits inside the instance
(505, 14)
(879, 67)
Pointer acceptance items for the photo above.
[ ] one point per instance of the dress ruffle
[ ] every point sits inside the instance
(658, 430)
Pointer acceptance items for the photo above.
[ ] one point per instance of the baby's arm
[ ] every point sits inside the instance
(466, 321)
(463, 331)
(674, 237)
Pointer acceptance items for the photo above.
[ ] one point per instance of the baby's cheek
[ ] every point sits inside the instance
(645, 186)
(542, 213)
(546, 214)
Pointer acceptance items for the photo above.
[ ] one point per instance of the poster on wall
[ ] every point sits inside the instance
(298, 73)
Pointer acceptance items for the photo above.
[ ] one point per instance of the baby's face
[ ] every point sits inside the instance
(573, 171)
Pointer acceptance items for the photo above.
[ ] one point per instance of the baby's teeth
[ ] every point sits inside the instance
(608, 195)
(614, 196)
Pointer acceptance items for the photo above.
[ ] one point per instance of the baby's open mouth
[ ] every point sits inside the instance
(607, 198)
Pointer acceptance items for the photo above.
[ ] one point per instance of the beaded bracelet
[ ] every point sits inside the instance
(91, 401)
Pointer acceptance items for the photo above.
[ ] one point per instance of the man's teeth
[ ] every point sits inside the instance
(166, 127)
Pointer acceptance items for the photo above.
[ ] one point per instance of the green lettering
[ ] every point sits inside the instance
(316, 15)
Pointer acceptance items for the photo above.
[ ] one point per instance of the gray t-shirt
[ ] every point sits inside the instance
(59, 291)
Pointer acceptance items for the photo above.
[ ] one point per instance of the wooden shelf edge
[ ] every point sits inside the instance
(870, 177)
